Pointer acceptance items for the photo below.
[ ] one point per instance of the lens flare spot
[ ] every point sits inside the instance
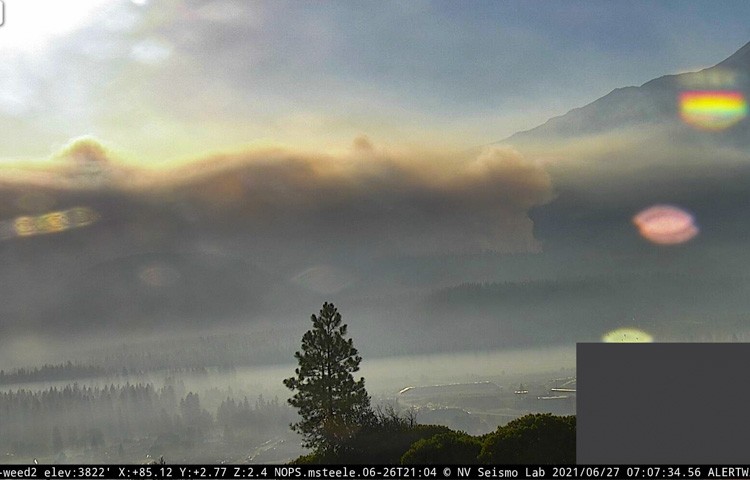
(666, 225)
(627, 335)
(52, 222)
(24, 226)
(712, 109)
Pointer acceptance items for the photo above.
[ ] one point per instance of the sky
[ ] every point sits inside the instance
(170, 81)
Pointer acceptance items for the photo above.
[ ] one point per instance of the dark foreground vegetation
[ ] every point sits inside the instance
(338, 423)
(393, 439)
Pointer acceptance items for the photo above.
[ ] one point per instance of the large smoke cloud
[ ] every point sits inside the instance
(384, 202)
(363, 200)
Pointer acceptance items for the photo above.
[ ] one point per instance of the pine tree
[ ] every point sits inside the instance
(331, 404)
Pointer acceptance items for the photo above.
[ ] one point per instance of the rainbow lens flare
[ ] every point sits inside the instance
(712, 109)
(665, 225)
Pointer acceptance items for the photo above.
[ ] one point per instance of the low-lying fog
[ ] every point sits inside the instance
(239, 414)
(383, 376)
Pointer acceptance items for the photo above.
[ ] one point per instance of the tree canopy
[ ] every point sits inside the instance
(391, 439)
(540, 438)
(444, 448)
(332, 405)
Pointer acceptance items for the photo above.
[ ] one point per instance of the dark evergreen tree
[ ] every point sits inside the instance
(332, 405)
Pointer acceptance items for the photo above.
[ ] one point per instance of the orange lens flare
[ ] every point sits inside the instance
(666, 225)
(53, 222)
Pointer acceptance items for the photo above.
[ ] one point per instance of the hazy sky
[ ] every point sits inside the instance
(161, 80)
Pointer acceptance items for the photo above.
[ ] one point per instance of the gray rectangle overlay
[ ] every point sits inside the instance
(667, 403)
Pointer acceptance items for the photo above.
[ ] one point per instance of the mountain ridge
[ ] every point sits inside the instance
(652, 103)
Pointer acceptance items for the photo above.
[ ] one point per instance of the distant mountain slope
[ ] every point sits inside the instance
(739, 60)
(653, 103)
